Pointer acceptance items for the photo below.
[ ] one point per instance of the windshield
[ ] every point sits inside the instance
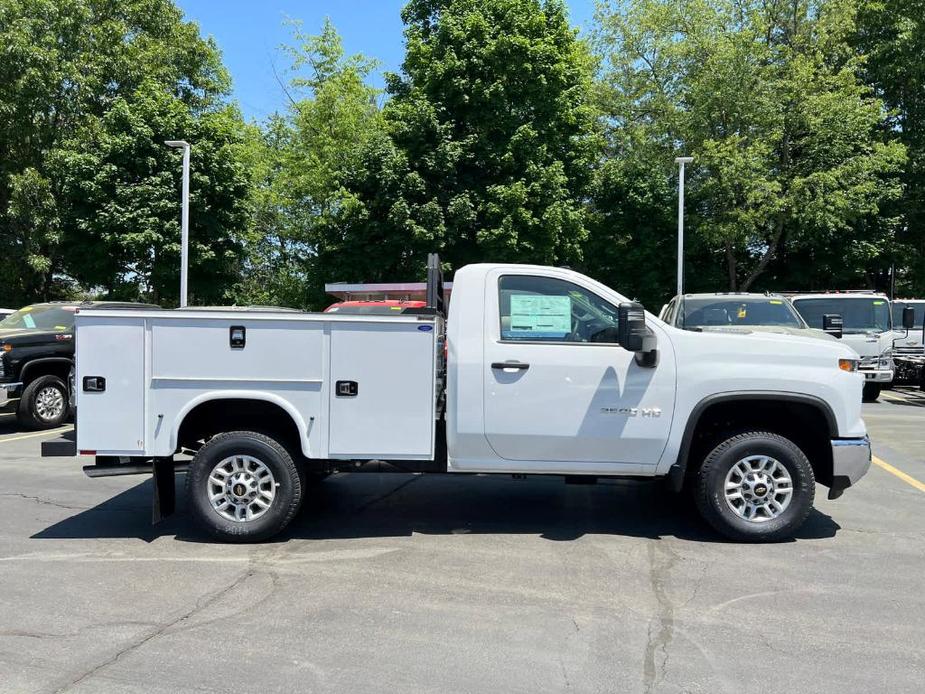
(738, 311)
(898, 307)
(59, 318)
(860, 315)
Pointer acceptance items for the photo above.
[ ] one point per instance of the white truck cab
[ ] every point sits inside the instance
(546, 372)
(863, 321)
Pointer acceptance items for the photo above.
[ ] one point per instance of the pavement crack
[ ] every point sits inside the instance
(661, 628)
(201, 604)
(45, 502)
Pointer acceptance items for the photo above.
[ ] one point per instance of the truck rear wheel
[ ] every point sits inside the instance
(871, 392)
(755, 487)
(44, 403)
(243, 487)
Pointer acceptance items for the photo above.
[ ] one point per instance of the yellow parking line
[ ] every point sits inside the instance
(899, 473)
(38, 433)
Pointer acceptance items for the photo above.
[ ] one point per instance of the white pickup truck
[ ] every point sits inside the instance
(546, 372)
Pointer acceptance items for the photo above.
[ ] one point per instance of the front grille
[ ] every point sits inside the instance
(909, 351)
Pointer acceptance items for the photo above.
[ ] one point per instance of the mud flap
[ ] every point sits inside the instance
(165, 492)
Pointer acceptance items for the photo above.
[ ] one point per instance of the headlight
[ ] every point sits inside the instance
(848, 364)
(886, 359)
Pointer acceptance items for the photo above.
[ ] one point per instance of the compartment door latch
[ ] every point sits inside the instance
(346, 389)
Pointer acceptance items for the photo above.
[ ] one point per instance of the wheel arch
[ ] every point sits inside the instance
(46, 366)
(262, 412)
(710, 411)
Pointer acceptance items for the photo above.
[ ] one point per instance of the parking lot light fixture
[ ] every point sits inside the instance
(184, 219)
(681, 162)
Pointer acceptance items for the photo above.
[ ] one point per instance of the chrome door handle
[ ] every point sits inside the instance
(520, 366)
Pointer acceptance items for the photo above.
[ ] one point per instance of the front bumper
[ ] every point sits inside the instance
(876, 375)
(850, 462)
(9, 391)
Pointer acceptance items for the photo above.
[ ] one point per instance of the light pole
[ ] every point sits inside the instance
(184, 218)
(681, 161)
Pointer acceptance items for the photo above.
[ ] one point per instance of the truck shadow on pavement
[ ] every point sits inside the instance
(368, 505)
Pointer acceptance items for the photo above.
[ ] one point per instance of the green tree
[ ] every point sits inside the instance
(768, 98)
(891, 37)
(492, 140)
(89, 89)
(303, 165)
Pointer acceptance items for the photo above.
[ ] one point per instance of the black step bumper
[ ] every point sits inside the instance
(65, 446)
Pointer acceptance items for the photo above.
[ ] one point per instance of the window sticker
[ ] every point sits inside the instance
(540, 317)
(776, 302)
(878, 303)
(743, 312)
(29, 321)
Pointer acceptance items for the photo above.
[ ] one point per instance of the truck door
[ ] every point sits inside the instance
(557, 387)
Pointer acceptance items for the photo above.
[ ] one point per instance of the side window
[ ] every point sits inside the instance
(545, 309)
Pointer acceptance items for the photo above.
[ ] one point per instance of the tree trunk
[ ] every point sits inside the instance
(768, 254)
(731, 267)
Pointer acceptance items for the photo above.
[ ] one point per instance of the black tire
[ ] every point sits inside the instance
(287, 496)
(711, 480)
(32, 413)
(871, 392)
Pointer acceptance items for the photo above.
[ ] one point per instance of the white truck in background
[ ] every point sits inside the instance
(863, 321)
(909, 348)
(548, 372)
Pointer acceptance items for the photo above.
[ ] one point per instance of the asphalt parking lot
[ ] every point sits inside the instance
(389, 583)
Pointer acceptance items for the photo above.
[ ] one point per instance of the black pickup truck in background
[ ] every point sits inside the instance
(37, 360)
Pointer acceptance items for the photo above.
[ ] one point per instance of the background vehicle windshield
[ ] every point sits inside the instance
(859, 314)
(59, 318)
(383, 309)
(898, 307)
(738, 311)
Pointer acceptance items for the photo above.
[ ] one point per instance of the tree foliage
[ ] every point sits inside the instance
(891, 37)
(304, 163)
(89, 89)
(768, 99)
(493, 139)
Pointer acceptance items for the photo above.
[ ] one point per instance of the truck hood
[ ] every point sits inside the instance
(869, 344)
(773, 329)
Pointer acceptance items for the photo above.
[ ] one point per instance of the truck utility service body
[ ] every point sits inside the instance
(547, 372)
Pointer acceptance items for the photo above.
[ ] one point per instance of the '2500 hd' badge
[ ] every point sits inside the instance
(633, 411)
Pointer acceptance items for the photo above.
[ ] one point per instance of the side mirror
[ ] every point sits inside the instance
(833, 324)
(632, 326)
(909, 317)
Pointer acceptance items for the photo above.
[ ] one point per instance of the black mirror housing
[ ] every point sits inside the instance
(908, 318)
(833, 324)
(632, 326)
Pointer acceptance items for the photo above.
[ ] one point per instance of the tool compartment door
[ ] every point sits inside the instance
(110, 414)
(382, 395)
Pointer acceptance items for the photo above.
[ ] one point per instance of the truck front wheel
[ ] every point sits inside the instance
(243, 487)
(755, 487)
(44, 403)
(871, 392)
